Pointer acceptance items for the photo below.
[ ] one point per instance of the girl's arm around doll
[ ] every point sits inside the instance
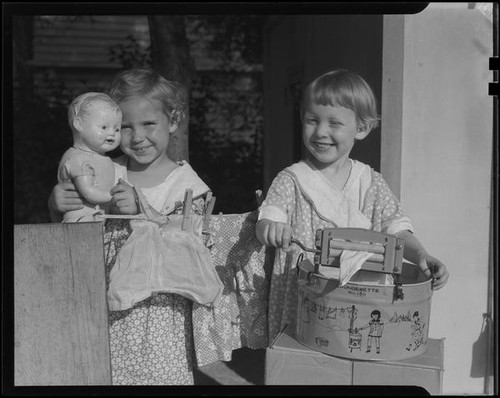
(66, 197)
(63, 198)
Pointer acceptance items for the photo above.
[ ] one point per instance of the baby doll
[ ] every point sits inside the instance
(95, 120)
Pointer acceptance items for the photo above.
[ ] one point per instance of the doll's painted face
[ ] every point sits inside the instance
(99, 131)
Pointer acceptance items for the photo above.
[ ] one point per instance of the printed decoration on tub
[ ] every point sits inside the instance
(345, 319)
(354, 336)
(417, 337)
(335, 319)
(376, 328)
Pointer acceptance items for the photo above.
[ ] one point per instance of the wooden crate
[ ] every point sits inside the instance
(60, 309)
(290, 363)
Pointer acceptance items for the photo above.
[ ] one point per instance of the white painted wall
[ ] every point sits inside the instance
(445, 116)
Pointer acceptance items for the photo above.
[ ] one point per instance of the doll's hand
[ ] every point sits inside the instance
(124, 199)
(276, 234)
(432, 267)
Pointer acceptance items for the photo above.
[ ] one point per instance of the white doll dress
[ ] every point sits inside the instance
(160, 256)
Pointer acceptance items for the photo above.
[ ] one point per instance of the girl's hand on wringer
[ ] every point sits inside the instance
(272, 233)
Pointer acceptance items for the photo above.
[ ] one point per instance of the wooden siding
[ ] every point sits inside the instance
(85, 41)
(75, 51)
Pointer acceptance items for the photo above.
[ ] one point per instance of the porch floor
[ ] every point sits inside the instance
(247, 367)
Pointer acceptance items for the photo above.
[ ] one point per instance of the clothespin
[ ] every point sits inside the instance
(210, 203)
(186, 214)
(144, 206)
(209, 207)
(207, 200)
(258, 197)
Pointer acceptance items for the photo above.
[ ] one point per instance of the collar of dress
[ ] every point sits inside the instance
(330, 203)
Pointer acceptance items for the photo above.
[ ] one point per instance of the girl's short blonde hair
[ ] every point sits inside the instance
(344, 88)
(153, 86)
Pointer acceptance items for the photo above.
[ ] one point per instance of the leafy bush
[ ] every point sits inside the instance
(225, 142)
(41, 137)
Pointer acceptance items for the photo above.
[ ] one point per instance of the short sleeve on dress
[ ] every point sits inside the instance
(386, 209)
(279, 199)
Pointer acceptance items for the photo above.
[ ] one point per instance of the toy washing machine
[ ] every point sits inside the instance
(361, 319)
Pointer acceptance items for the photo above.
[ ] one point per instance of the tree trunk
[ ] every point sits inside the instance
(172, 59)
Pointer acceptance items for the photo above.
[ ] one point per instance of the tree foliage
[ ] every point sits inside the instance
(235, 40)
(227, 107)
(130, 54)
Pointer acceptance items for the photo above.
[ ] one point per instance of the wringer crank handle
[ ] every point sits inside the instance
(387, 251)
(306, 249)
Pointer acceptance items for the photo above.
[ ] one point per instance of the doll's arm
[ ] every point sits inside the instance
(85, 185)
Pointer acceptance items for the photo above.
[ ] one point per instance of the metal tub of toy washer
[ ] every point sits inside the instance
(363, 321)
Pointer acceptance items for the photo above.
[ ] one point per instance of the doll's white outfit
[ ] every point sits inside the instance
(78, 162)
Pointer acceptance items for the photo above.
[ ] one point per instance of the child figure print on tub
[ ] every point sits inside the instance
(95, 120)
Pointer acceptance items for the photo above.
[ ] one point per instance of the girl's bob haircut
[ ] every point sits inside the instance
(347, 89)
(153, 86)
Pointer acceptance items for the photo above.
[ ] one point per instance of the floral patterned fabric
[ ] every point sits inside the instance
(239, 317)
(160, 339)
(152, 342)
(376, 202)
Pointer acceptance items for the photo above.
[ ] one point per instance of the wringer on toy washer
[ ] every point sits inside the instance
(362, 319)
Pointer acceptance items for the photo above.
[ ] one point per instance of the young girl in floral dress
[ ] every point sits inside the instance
(328, 189)
(151, 342)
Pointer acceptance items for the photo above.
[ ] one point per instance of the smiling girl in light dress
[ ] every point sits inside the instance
(328, 189)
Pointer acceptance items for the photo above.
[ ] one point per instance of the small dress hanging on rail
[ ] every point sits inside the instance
(163, 254)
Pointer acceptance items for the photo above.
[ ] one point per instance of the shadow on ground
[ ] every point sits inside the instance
(247, 367)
